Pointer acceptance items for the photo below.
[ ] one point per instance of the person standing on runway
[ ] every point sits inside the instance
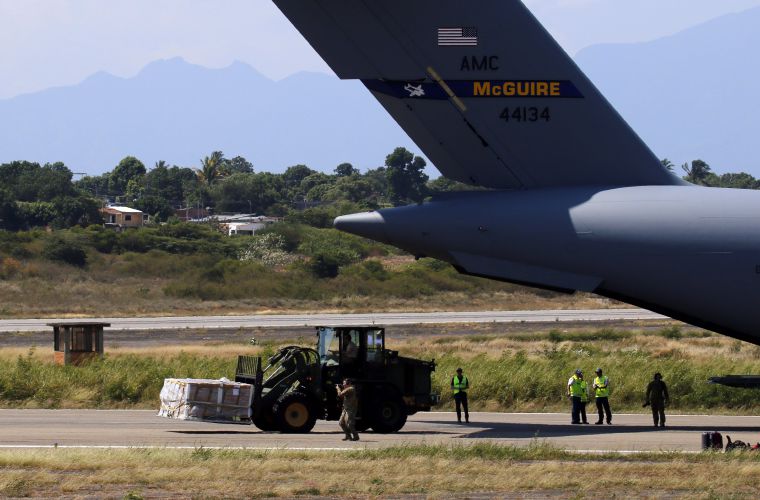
(584, 400)
(460, 385)
(347, 422)
(657, 396)
(575, 393)
(602, 392)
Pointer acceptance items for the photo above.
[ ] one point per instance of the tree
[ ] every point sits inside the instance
(406, 178)
(699, 173)
(212, 169)
(130, 168)
(345, 170)
(667, 164)
(238, 165)
(9, 216)
(156, 206)
(444, 185)
(35, 213)
(256, 193)
(314, 187)
(28, 181)
(170, 184)
(71, 211)
(295, 174)
(378, 179)
(97, 186)
(742, 180)
(135, 190)
(352, 188)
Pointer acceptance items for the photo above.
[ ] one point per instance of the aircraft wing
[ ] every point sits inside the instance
(482, 89)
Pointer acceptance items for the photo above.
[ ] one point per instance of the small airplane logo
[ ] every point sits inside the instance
(414, 90)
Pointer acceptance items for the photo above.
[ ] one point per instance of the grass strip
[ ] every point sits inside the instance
(430, 470)
(505, 373)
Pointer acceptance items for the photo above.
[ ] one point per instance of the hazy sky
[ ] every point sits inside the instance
(46, 43)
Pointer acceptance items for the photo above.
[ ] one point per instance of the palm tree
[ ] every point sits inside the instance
(212, 168)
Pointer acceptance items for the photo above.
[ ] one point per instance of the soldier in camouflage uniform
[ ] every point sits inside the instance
(347, 421)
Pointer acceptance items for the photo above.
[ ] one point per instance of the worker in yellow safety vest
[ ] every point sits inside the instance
(584, 400)
(601, 388)
(459, 385)
(575, 393)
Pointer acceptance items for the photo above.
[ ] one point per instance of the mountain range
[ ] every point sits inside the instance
(691, 95)
(180, 112)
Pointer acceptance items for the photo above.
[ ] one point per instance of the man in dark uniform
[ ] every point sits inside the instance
(657, 396)
(347, 421)
(460, 384)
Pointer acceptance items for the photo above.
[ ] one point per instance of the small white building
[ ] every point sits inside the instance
(246, 224)
(248, 228)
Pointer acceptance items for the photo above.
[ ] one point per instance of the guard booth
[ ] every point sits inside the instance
(77, 341)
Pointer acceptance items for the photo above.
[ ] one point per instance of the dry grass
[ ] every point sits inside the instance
(511, 368)
(230, 351)
(141, 297)
(430, 471)
(48, 289)
(695, 344)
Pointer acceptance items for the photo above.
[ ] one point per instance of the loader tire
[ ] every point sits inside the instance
(389, 415)
(295, 413)
(362, 425)
(265, 421)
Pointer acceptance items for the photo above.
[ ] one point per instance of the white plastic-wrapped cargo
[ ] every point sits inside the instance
(206, 400)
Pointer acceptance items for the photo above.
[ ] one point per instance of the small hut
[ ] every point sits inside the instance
(77, 341)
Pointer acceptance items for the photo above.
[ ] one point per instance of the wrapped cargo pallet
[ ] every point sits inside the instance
(206, 400)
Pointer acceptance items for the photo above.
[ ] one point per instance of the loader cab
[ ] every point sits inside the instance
(350, 351)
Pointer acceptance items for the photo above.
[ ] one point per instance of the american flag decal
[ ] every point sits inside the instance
(457, 37)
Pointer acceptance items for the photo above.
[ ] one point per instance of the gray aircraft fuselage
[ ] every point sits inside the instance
(689, 252)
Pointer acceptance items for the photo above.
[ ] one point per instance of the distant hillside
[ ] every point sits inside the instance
(691, 95)
(179, 112)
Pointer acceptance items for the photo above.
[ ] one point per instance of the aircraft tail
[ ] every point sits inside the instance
(482, 89)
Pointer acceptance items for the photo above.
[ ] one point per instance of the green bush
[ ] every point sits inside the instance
(177, 239)
(65, 249)
(102, 239)
(334, 242)
(327, 264)
(292, 233)
(269, 249)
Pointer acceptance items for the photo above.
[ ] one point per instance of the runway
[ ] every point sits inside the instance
(297, 320)
(142, 428)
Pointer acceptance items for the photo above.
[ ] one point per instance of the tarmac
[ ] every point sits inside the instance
(341, 319)
(143, 429)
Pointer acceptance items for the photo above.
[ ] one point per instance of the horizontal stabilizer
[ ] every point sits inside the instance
(482, 89)
(738, 381)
